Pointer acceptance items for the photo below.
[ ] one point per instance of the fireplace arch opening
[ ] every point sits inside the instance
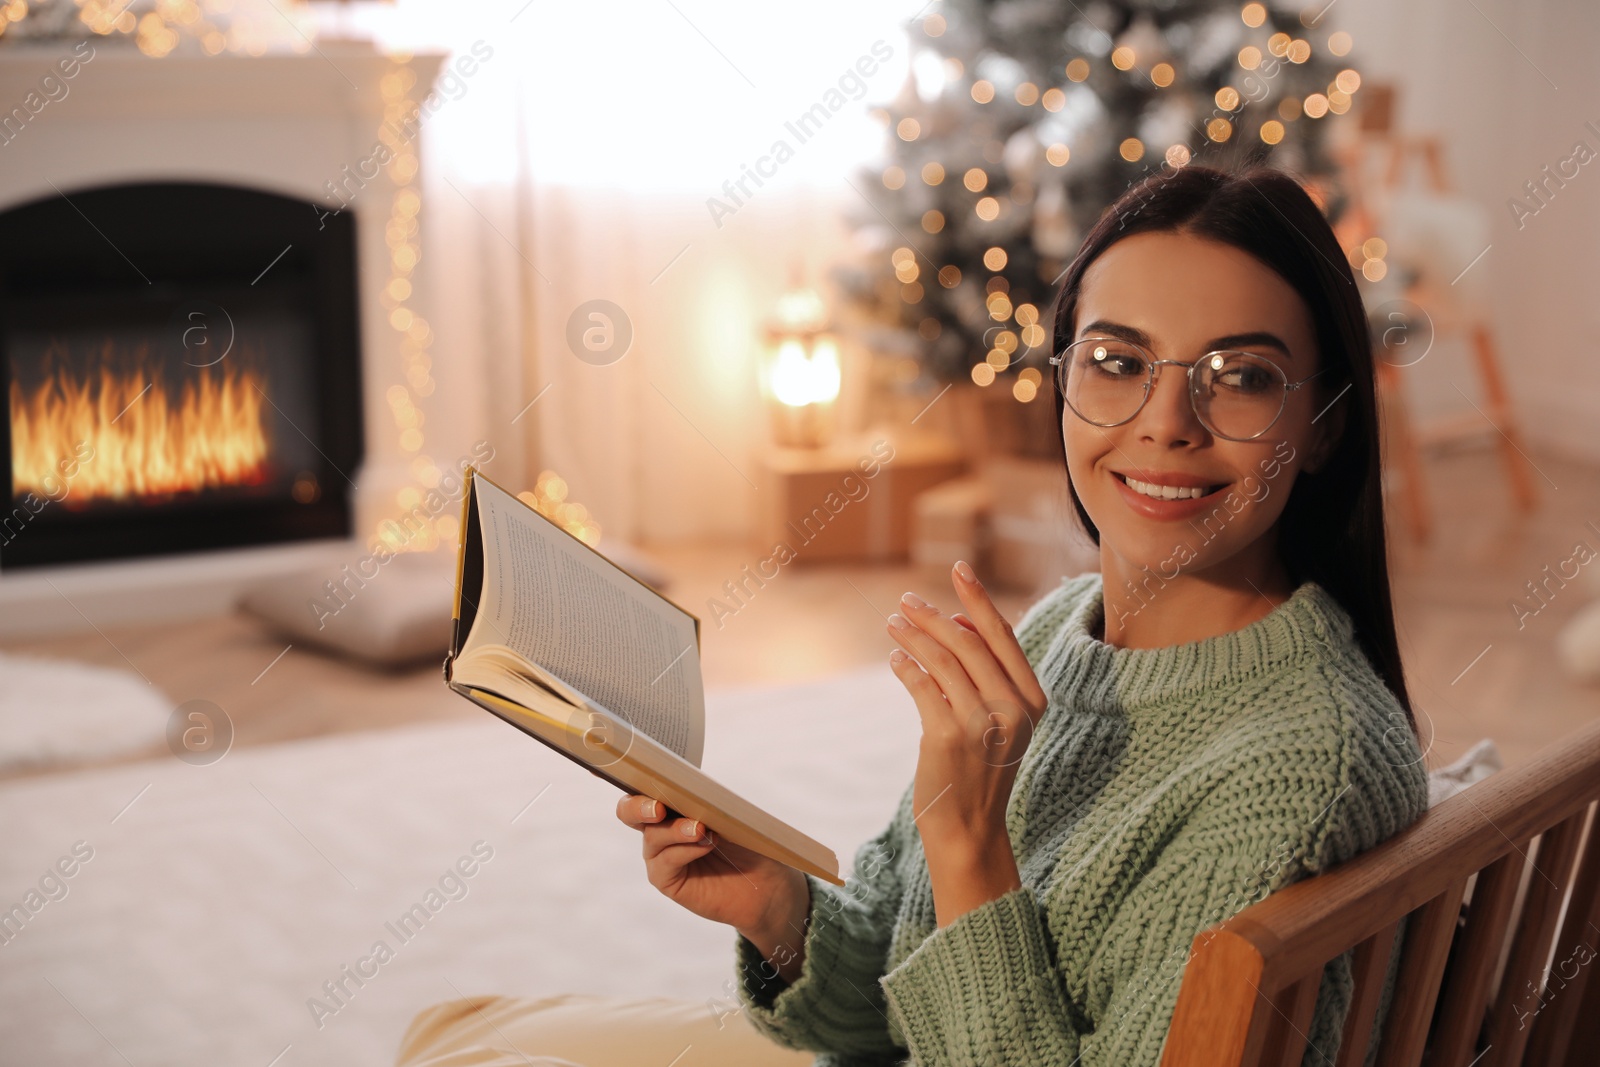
(182, 369)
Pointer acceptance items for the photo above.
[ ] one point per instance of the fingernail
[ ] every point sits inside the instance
(652, 809)
(898, 622)
(913, 600)
(691, 829)
(898, 657)
(965, 571)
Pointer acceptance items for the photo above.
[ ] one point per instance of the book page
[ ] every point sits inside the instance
(563, 606)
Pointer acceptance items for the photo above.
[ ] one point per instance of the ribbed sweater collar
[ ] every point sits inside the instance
(1085, 673)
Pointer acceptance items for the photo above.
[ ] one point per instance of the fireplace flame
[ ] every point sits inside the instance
(146, 442)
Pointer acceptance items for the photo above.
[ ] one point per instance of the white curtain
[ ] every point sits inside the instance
(579, 161)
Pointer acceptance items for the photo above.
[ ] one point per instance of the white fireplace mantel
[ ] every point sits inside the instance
(288, 124)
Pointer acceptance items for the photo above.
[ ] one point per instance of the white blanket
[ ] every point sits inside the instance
(220, 899)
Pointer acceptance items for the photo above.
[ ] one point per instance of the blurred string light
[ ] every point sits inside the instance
(401, 235)
(1370, 255)
(996, 197)
(930, 74)
(549, 498)
(160, 27)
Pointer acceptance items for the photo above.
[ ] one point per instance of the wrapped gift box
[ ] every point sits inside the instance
(823, 504)
(1034, 536)
(950, 522)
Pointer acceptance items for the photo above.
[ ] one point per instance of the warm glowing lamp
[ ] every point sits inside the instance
(800, 374)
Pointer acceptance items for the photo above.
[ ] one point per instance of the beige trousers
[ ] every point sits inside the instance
(583, 1030)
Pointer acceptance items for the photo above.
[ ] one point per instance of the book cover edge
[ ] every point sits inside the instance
(488, 700)
(461, 567)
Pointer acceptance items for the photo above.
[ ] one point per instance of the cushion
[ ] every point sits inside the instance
(389, 614)
(1476, 764)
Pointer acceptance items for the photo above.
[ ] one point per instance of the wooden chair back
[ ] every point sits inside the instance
(1511, 983)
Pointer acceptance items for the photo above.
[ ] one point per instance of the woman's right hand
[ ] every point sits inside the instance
(766, 901)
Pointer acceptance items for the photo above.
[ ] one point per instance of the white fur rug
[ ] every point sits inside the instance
(52, 711)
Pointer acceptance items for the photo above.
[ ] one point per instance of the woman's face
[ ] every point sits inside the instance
(1180, 296)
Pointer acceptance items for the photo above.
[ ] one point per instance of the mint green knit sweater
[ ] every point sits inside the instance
(1163, 791)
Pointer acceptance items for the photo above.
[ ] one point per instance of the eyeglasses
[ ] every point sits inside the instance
(1236, 395)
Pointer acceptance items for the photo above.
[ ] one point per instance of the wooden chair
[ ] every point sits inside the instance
(1378, 141)
(1508, 978)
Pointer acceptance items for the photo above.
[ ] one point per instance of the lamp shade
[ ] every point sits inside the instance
(800, 371)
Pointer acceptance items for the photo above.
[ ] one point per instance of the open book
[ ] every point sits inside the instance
(570, 648)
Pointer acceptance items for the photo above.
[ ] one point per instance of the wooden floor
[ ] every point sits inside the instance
(1473, 672)
(1475, 666)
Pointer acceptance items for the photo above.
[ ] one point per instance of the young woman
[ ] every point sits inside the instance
(1217, 712)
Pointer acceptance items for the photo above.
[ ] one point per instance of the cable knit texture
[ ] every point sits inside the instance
(1164, 790)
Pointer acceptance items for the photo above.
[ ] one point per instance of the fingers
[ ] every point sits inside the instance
(928, 636)
(636, 811)
(925, 692)
(660, 832)
(997, 631)
(958, 657)
(684, 841)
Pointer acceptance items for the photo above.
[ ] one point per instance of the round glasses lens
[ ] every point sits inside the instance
(1104, 381)
(1239, 394)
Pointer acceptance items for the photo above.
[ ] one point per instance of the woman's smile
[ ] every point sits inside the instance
(1180, 505)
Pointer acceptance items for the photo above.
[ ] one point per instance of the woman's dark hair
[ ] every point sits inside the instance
(1332, 528)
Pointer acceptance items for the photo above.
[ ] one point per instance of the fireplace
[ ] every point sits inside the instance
(182, 370)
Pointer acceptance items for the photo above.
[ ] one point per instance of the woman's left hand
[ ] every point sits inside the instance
(979, 700)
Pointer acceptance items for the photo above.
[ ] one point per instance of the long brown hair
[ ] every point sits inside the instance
(1332, 528)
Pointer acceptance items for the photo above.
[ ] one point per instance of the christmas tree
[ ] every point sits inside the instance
(1022, 119)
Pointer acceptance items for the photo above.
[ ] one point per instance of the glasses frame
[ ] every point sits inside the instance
(1058, 361)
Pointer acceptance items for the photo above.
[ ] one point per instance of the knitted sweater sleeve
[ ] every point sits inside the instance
(836, 1004)
(990, 987)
